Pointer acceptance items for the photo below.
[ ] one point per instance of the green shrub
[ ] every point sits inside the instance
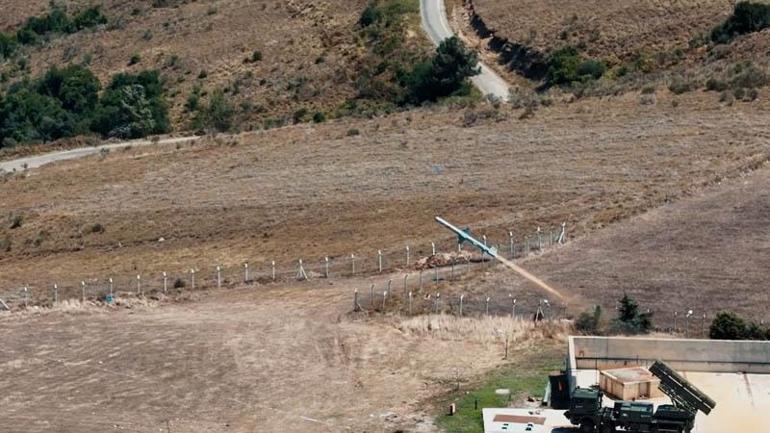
(8, 46)
(727, 326)
(747, 75)
(630, 320)
(15, 220)
(319, 117)
(256, 56)
(716, 85)
(135, 58)
(132, 106)
(747, 17)
(216, 115)
(369, 16)
(352, 132)
(566, 66)
(679, 85)
(299, 115)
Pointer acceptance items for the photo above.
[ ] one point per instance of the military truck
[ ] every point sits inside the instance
(587, 409)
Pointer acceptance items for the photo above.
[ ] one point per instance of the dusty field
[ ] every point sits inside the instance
(707, 253)
(312, 191)
(308, 49)
(616, 29)
(238, 361)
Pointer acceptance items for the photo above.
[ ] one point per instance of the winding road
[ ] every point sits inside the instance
(435, 24)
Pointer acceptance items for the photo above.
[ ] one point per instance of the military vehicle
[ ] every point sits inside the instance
(587, 410)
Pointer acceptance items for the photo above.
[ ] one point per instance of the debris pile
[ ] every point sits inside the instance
(444, 259)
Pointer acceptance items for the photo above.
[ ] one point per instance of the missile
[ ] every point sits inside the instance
(465, 236)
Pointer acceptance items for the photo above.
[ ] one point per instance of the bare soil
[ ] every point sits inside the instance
(239, 361)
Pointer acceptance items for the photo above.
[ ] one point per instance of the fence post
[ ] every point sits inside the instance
(165, 283)
(486, 307)
(389, 284)
(563, 234)
(526, 246)
(461, 305)
(510, 243)
(438, 302)
(410, 303)
(353, 263)
(379, 260)
(513, 306)
(355, 300)
(484, 237)
(407, 256)
(272, 272)
(192, 279)
(371, 295)
(433, 248)
(406, 277)
(26, 296)
(219, 277)
(384, 296)
(111, 286)
(245, 273)
(539, 239)
(326, 267)
(83, 291)
(139, 284)
(435, 274)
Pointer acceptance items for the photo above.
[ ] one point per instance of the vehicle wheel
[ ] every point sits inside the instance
(587, 426)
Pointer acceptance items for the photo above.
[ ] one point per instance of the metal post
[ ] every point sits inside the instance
(703, 325)
(245, 273)
(353, 262)
(676, 314)
(371, 296)
(406, 278)
(461, 305)
(326, 267)
(410, 303)
(379, 260)
(111, 286)
(384, 295)
(513, 306)
(83, 291)
(486, 308)
(355, 300)
(484, 237)
(272, 267)
(526, 246)
(139, 284)
(55, 293)
(219, 277)
(192, 279)
(563, 234)
(165, 283)
(510, 243)
(390, 282)
(433, 248)
(26, 296)
(438, 300)
(539, 239)
(407, 255)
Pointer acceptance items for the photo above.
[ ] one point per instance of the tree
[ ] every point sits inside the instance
(26, 115)
(630, 320)
(75, 86)
(133, 106)
(727, 326)
(445, 74)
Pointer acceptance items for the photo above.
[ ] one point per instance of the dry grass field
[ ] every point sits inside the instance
(314, 191)
(706, 253)
(308, 49)
(616, 29)
(242, 361)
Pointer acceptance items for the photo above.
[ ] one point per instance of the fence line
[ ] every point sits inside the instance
(441, 253)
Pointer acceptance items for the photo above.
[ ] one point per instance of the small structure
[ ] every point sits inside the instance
(629, 384)
(515, 420)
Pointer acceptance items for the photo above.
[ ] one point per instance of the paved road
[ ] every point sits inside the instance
(38, 160)
(435, 24)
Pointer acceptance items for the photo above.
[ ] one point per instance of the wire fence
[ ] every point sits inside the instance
(443, 256)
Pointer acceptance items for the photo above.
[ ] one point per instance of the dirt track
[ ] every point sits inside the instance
(235, 361)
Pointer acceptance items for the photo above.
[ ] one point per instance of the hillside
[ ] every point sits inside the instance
(270, 58)
(312, 191)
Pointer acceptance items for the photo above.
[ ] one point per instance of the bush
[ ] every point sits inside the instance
(256, 56)
(216, 115)
(589, 321)
(299, 115)
(352, 132)
(747, 75)
(179, 283)
(15, 220)
(716, 85)
(747, 17)
(135, 58)
(679, 85)
(729, 326)
(369, 16)
(319, 117)
(566, 66)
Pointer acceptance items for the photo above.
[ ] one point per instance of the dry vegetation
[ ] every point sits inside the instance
(239, 361)
(706, 253)
(316, 191)
(308, 50)
(616, 29)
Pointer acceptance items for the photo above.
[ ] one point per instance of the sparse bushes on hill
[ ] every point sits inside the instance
(216, 115)
(747, 17)
(56, 21)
